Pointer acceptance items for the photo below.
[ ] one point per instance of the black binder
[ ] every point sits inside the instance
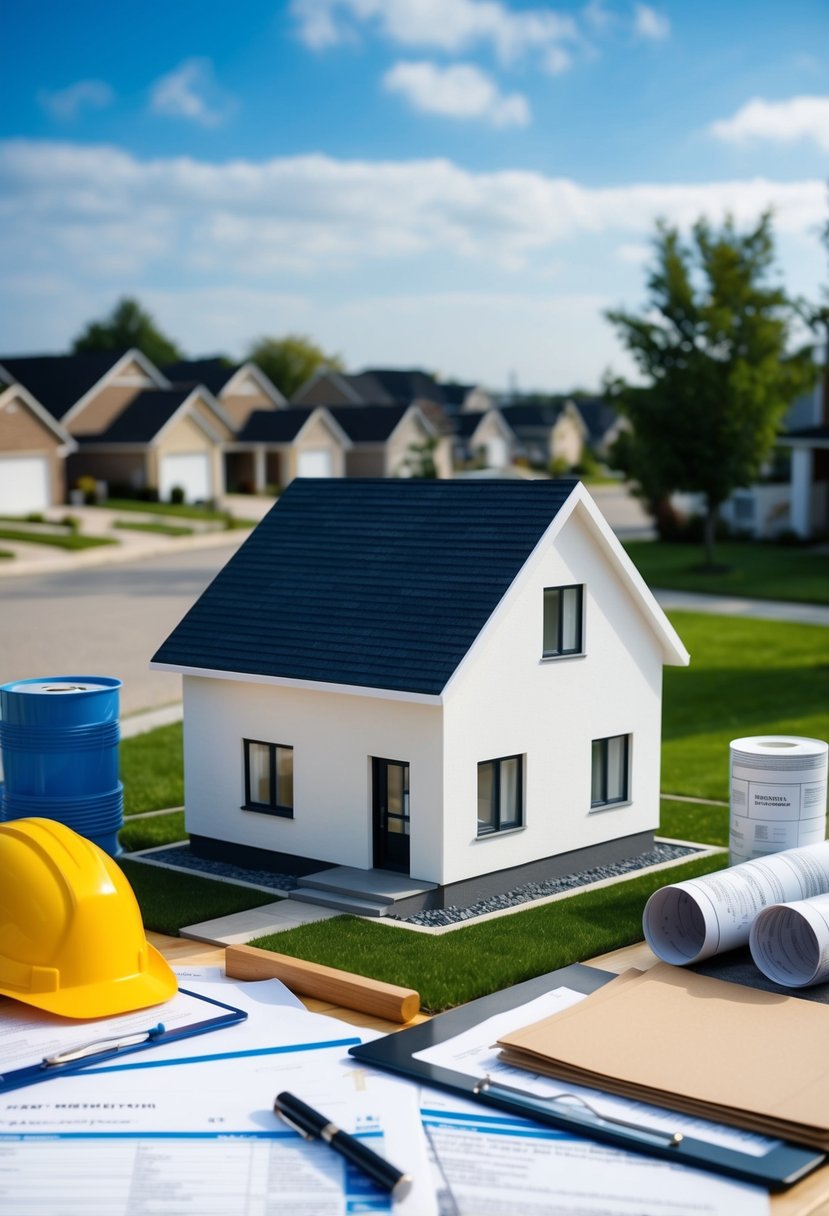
(780, 1167)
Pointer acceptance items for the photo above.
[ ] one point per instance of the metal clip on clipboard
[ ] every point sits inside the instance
(591, 1121)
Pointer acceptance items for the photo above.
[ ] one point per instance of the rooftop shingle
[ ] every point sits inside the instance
(376, 583)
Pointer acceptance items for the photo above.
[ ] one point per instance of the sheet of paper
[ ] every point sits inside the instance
(489, 1164)
(688, 921)
(28, 1034)
(212, 980)
(155, 1111)
(474, 1052)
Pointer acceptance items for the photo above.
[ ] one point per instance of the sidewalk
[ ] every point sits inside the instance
(761, 610)
(131, 546)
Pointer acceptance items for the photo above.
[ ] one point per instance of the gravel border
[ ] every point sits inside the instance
(181, 857)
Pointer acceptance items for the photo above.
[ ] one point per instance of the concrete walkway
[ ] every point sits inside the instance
(760, 610)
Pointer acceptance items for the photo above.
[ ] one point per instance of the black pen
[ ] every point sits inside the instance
(314, 1126)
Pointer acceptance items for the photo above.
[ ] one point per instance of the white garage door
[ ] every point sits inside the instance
(315, 462)
(497, 452)
(24, 484)
(189, 471)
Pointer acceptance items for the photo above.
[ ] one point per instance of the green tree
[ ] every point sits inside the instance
(288, 362)
(128, 325)
(712, 347)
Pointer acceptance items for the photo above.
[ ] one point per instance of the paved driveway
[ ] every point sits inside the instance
(104, 620)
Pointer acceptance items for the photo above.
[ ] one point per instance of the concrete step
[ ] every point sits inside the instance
(380, 886)
(342, 902)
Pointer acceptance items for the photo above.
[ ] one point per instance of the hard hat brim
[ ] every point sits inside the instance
(151, 987)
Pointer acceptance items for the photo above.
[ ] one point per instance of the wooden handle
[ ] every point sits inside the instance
(326, 983)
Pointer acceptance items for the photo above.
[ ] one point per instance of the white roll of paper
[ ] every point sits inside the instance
(790, 942)
(778, 794)
(689, 921)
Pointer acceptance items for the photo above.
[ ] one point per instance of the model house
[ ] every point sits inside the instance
(456, 680)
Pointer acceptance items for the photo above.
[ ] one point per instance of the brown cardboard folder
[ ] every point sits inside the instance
(686, 1042)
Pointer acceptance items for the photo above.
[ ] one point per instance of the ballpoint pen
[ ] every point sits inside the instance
(313, 1126)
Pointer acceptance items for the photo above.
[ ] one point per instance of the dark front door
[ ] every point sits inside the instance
(390, 781)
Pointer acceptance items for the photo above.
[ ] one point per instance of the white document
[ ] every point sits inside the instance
(27, 1034)
(126, 1123)
(491, 1164)
(474, 1052)
(790, 942)
(688, 921)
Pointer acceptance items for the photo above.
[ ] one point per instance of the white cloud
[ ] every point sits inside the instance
(67, 104)
(452, 26)
(650, 24)
(190, 92)
(634, 253)
(223, 252)
(458, 91)
(777, 122)
(307, 213)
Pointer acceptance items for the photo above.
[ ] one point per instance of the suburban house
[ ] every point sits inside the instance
(84, 392)
(275, 446)
(385, 440)
(33, 449)
(807, 437)
(548, 432)
(485, 440)
(164, 439)
(239, 388)
(455, 681)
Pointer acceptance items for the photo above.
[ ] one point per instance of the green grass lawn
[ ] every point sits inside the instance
(178, 510)
(756, 571)
(158, 529)
(59, 540)
(746, 677)
(467, 963)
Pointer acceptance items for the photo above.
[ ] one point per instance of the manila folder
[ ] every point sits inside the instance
(703, 1046)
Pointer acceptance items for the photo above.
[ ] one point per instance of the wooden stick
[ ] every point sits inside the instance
(326, 983)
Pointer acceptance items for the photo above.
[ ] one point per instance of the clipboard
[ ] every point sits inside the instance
(78, 1053)
(780, 1167)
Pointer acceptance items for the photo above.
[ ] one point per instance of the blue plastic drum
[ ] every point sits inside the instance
(59, 740)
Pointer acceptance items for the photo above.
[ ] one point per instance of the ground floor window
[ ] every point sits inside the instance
(610, 781)
(269, 778)
(500, 794)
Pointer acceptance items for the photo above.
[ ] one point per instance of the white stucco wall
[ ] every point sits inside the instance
(334, 737)
(507, 700)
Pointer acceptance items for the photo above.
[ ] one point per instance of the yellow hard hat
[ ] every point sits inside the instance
(71, 936)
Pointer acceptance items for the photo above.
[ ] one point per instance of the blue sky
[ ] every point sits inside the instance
(460, 185)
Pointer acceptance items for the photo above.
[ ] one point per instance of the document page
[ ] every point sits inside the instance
(688, 921)
(490, 1164)
(184, 1123)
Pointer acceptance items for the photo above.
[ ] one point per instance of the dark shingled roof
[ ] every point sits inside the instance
(212, 373)
(142, 419)
(58, 381)
(380, 583)
(368, 423)
(274, 426)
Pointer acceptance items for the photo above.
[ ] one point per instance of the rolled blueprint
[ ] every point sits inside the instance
(790, 942)
(778, 794)
(689, 921)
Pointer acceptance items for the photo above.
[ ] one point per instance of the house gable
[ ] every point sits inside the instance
(380, 584)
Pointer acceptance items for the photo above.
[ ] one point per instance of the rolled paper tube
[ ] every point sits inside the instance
(790, 942)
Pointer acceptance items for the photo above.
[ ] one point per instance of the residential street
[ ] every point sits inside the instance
(104, 620)
(108, 619)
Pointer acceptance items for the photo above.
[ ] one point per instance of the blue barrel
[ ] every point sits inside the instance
(59, 740)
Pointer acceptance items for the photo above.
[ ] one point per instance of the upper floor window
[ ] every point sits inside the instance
(269, 778)
(563, 625)
(500, 794)
(610, 779)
